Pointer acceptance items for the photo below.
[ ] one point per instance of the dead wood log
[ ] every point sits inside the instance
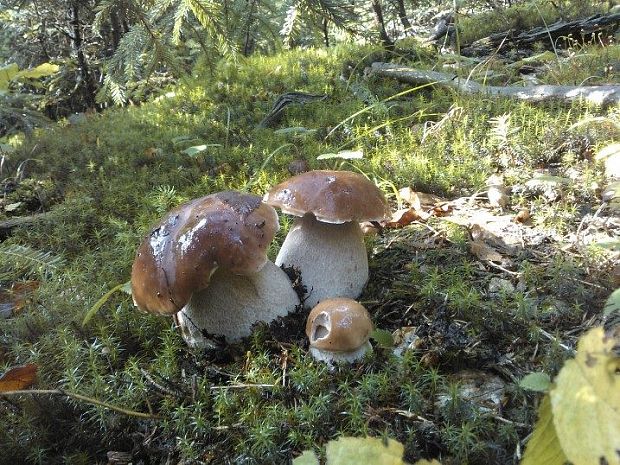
(581, 30)
(603, 95)
(7, 226)
(284, 100)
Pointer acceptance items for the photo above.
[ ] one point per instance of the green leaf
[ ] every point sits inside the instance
(126, 288)
(383, 338)
(544, 445)
(295, 132)
(539, 382)
(95, 308)
(613, 303)
(585, 401)
(344, 154)
(197, 149)
(307, 458)
(355, 451)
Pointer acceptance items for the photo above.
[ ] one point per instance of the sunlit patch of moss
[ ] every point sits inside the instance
(266, 399)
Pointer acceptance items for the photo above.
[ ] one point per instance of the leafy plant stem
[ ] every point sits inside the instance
(80, 397)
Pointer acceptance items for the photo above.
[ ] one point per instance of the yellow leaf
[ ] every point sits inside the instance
(18, 378)
(306, 458)
(42, 70)
(544, 446)
(7, 73)
(354, 451)
(586, 401)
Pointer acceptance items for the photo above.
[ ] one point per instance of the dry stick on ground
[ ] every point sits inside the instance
(88, 400)
(580, 29)
(604, 95)
(7, 226)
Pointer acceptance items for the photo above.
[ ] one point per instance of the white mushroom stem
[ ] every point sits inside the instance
(233, 303)
(331, 258)
(332, 358)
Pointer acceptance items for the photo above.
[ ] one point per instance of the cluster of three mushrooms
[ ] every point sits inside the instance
(206, 260)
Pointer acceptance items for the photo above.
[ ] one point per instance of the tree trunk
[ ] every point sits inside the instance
(378, 10)
(402, 15)
(116, 29)
(248, 43)
(85, 80)
(324, 25)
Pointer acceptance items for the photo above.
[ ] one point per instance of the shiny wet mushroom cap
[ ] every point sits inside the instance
(229, 229)
(339, 329)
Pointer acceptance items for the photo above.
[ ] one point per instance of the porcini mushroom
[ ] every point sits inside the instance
(206, 262)
(338, 330)
(326, 243)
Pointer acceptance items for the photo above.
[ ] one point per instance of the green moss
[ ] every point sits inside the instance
(265, 399)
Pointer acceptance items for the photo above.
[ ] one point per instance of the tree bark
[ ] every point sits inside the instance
(604, 95)
(85, 77)
(385, 38)
(402, 15)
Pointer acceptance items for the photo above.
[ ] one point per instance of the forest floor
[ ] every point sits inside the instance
(501, 253)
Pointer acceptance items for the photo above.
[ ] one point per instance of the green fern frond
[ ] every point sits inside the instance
(115, 91)
(18, 261)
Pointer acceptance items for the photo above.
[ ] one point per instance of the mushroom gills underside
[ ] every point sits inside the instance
(233, 303)
(332, 258)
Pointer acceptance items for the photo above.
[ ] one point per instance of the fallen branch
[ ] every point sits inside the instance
(88, 400)
(7, 226)
(581, 29)
(604, 95)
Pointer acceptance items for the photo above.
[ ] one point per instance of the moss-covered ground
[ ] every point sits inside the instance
(104, 182)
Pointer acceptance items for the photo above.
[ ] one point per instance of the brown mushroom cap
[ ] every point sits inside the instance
(227, 229)
(331, 196)
(338, 325)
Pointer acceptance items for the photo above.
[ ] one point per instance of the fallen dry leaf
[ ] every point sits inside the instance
(523, 216)
(405, 216)
(151, 152)
(484, 252)
(12, 301)
(419, 200)
(18, 378)
(442, 209)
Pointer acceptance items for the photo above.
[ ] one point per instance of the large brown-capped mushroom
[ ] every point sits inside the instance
(326, 244)
(338, 330)
(207, 260)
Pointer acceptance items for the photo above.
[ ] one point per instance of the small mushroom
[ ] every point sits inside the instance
(326, 243)
(338, 330)
(206, 262)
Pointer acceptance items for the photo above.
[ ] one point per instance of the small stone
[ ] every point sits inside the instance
(498, 286)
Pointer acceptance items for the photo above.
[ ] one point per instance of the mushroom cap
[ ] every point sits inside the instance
(338, 325)
(331, 196)
(178, 257)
